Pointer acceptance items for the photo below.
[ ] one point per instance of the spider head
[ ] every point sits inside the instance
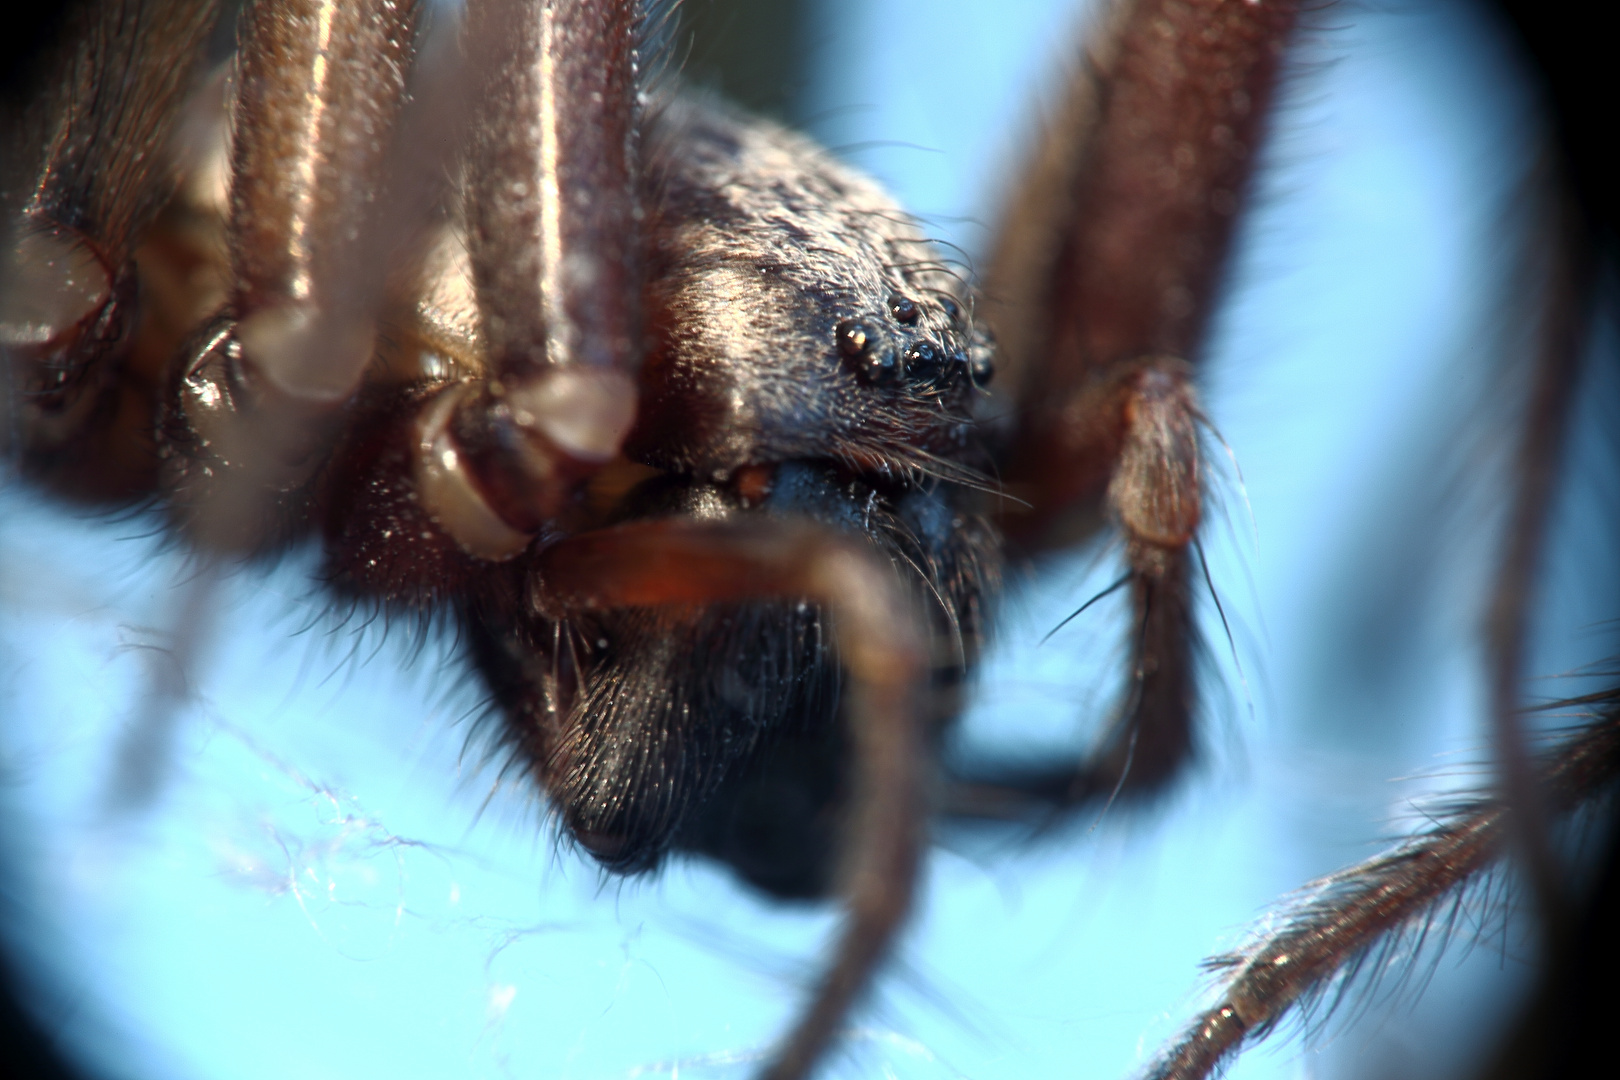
(796, 313)
(809, 357)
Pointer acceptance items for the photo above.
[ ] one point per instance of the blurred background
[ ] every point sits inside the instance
(332, 885)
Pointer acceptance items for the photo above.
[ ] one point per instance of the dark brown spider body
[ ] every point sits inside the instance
(790, 375)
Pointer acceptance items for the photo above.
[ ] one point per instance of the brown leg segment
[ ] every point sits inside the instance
(256, 394)
(1144, 748)
(85, 175)
(1352, 911)
(550, 189)
(1116, 250)
(261, 387)
(1565, 332)
(552, 230)
(1099, 288)
(883, 647)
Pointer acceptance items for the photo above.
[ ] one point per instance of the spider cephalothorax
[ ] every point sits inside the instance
(797, 313)
(808, 357)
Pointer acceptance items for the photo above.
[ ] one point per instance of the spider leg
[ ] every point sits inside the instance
(84, 175)
(1099, 290)
(1357, 919)
(255, 393)
(552, 235)
(1562, 1028)
(1324, 936)
(537, 300)
(1565, 333)
(883, 647)
(82, 393)
(258, 390)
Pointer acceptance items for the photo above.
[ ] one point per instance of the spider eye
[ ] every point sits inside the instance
(859, 344)
(904, 309)
(854, 338)
(922, 358)
(953, 310)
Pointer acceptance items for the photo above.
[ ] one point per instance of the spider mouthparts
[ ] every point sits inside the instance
(753, 483)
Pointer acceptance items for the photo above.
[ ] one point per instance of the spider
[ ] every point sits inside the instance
(603, 845)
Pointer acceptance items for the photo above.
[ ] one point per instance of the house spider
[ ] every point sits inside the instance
(322, 854)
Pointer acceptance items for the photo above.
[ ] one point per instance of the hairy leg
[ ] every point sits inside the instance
(1099, 290)
(1346, 916)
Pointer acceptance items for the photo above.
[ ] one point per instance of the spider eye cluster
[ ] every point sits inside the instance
(868, 353)
(882, 357)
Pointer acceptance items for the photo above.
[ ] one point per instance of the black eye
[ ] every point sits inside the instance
(953, 311)
(879, 367)
(854, 338)
(904, 309)
(923, 358)
(866, 353)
